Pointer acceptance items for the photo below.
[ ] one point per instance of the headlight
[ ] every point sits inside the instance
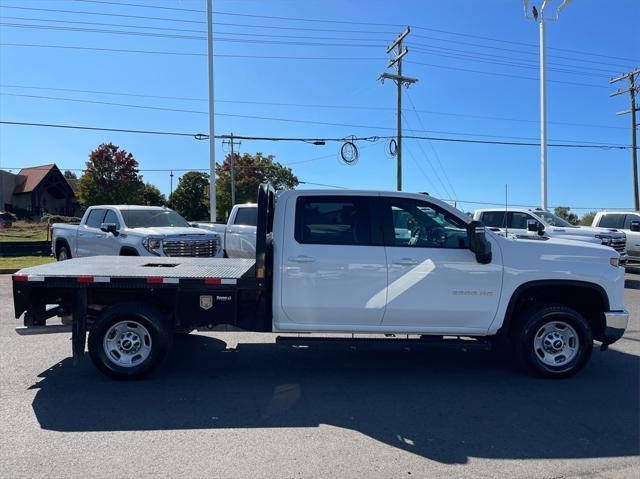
(153, 245)
(615, 262)
(605, 239)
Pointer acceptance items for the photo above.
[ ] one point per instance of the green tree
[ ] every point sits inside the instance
(565, 213)
(111, 177)
(70, 175)
(151, 196)
(587, 219)
(191, 197)
(250, 171)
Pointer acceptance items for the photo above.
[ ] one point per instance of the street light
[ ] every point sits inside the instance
(538, 16)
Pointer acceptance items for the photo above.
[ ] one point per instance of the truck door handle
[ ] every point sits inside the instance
(405, 262)
(302, 259)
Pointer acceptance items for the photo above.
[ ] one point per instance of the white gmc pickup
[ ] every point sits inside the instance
(126, 230)
(349, 262)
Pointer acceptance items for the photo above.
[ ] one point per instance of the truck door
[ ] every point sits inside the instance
(633, 237)
(334, 272)
(241, 233)
(89, 239)
(435, 282)
(111, 241)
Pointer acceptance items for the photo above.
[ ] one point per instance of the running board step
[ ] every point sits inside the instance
(51, 329)
(423, 342)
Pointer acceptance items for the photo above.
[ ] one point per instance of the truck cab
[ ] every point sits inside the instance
(626, 221)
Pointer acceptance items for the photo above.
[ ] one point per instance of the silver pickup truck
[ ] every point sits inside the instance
(239, 233)
(126, 230)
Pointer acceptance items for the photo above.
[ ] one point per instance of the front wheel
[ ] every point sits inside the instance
(63, 253)
(553, 341)
(128, 341)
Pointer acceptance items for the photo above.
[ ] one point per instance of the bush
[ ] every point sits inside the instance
(6, 216)
(49, 218)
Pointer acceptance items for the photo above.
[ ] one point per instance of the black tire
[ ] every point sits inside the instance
(63, 253)
(141, 321)
(128, 252)
(536, 328)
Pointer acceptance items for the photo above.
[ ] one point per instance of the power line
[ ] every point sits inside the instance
(285, 104)
(316, 139)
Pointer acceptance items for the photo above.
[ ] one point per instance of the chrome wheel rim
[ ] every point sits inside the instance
(127, 344)
(556, 343)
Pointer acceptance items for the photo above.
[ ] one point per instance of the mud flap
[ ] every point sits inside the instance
(79, 324)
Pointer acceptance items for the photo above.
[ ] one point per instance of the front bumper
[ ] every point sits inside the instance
(615, 325)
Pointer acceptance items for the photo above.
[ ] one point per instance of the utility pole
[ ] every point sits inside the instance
(232, 162)
(399, 80)
(170, 184)
(538, 16)
(212, 144)
(633, 88)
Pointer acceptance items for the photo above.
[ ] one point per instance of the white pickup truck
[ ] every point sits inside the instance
(239, 233)
(531, 222)
(372, 266)
(125, 230)
(626, 221)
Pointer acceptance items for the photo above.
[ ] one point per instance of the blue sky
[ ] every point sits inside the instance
(450, 45)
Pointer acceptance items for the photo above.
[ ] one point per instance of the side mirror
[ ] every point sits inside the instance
(478, 242)
(194, 225)
(109, 228)
(535, 227)
(635, 226)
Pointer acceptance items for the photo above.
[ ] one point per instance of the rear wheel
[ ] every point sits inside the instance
(128, 341)
(553, 341)
(63, 253)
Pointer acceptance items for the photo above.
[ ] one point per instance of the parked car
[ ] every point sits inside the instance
(125, 230)
(527, 222)
(395, 264)
(239, 233)
(625, 221)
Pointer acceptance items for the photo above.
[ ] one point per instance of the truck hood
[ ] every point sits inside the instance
(585, 232)
(171, 231)
(558, 245)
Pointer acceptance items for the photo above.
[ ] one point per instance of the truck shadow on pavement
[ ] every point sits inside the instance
(443, 405)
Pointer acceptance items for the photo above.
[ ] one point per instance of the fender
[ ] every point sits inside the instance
(557, 283)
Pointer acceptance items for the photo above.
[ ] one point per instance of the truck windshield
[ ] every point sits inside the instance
(151, 218)
(554, 220)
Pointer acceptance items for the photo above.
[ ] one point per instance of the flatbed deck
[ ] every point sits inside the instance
(141, 267)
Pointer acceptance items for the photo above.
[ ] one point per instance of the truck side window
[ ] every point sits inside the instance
(111, 217)
(333, 220)
(246, 217)
(94, 220)
(420, 224)
(494, 219)
(629, 219)
(612, 221)
(518, 221)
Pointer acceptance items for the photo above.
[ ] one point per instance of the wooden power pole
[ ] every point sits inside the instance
(633, 88)
(400, 80)
(232, 164)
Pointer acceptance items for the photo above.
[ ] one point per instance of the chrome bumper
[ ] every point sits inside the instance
(616, 324)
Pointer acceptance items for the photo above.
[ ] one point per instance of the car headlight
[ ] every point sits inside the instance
(605, 239)
(152, 245)
(615, 262)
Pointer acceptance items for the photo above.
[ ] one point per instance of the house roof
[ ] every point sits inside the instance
(73, 183)
(32, 177)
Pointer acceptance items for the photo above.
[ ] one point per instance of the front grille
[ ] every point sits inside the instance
(192, 248)
(619, 244)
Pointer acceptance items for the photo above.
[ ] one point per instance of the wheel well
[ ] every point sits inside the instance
(588, 299)
(128, 251)
(60, 242)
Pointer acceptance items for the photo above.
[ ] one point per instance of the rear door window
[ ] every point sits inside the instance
(95, 218)
(246, 217)
(494, 219)
(337, 220)
(612, 221)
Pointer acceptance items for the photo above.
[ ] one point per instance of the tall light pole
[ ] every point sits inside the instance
(538, 16)
(212, 144)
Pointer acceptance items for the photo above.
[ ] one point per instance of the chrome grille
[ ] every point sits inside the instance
(619, 244)
(191, 248)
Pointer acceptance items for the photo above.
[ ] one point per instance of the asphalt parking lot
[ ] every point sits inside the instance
(237, 405)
